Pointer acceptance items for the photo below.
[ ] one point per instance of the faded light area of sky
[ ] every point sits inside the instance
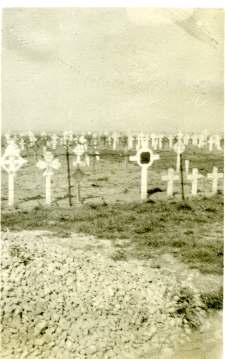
(125, 69)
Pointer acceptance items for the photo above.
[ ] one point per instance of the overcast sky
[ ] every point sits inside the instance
(112, 69)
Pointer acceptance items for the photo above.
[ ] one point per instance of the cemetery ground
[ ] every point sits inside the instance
(176, 245)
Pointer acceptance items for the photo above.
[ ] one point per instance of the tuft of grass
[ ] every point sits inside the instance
(189, 308)
(20, 253)
(119, 255)
(213, 300)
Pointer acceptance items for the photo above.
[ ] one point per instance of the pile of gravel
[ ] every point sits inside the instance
(61, 302)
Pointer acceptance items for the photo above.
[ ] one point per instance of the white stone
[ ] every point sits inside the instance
(49, 164)
(11, 162)
(194, 177)
(170, 178)
(214, 176)
(144, 164)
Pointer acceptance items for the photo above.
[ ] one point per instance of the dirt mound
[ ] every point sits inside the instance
(64, 302)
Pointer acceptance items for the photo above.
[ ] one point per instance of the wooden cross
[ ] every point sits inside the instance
(215, 176)
(194, 177)
(179, 148)
(145, 158)
(49, 164)
(11, 162)
(170, 178)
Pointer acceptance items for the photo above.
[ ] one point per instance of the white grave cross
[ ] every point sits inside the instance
(115, 139)
(49, 164)
(215, 176)
(54, 139)
(11, 162)
(211, 143)
(170, 178)
(170, 139)
(145, 158)
(194, 177)
(80, 151)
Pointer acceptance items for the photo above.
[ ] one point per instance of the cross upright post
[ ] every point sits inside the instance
(170, 178)
(49, 164)
(145, 158)
(194, 177)
(215, 176)
(211, 143)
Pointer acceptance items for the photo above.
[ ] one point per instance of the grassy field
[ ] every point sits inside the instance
(111, 209)
(113, 180)
(193, 230)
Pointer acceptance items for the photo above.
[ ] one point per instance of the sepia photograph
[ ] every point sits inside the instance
(112, 182)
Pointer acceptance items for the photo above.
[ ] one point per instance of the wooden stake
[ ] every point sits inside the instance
(182, 177)
(78, 192)
(68, 175)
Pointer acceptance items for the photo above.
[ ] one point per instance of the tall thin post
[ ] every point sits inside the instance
(68, 175)
(11, 189)
(78, 192)
(144, 182)
(48, 190)
(182, 177)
